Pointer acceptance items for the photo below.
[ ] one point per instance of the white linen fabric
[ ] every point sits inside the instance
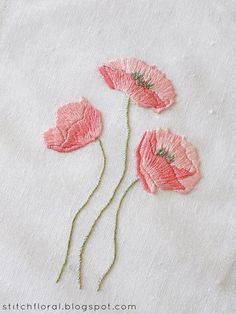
(177, 253)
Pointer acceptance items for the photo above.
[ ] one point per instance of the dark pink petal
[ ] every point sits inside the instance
(163, 174)
(146, 181)
(106, 76)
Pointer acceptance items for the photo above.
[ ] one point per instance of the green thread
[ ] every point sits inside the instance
(115, 236)
(165, 154)
(80, 210)
(110, 200)
(140, 81)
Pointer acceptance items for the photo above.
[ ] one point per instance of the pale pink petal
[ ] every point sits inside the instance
(191, 181)
(173, 143)
(69, 114)
(54, 139)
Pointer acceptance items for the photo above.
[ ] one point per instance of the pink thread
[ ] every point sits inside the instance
(166, 161)
(77, 125)
(144, 84)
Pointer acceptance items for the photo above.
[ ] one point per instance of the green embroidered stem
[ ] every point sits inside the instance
(81, 209)
(115, 236)
(82, 249)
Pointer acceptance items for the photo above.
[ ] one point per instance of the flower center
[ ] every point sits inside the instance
(165, 154)
(140, 81)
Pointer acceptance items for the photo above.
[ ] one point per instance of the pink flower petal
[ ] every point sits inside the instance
(77, 125)
(54, 139)
(119, 75)
(176, 169)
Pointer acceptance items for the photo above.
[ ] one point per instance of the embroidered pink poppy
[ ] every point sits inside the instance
(143, 83)
(77, 125)
(166, 161)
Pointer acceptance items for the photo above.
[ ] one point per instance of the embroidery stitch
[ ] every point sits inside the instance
(77, 125)
(165, 153)
(178, 170)
(82, 249)
(164, 160)
(140, 81)
(100, 283)
(144, 84)
(186, 170)
(81, 209)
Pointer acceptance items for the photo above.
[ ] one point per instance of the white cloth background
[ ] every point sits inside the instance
(177, 253)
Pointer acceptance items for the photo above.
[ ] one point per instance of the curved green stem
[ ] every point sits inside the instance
(80, 210)
(82, 249)
(115, 236)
